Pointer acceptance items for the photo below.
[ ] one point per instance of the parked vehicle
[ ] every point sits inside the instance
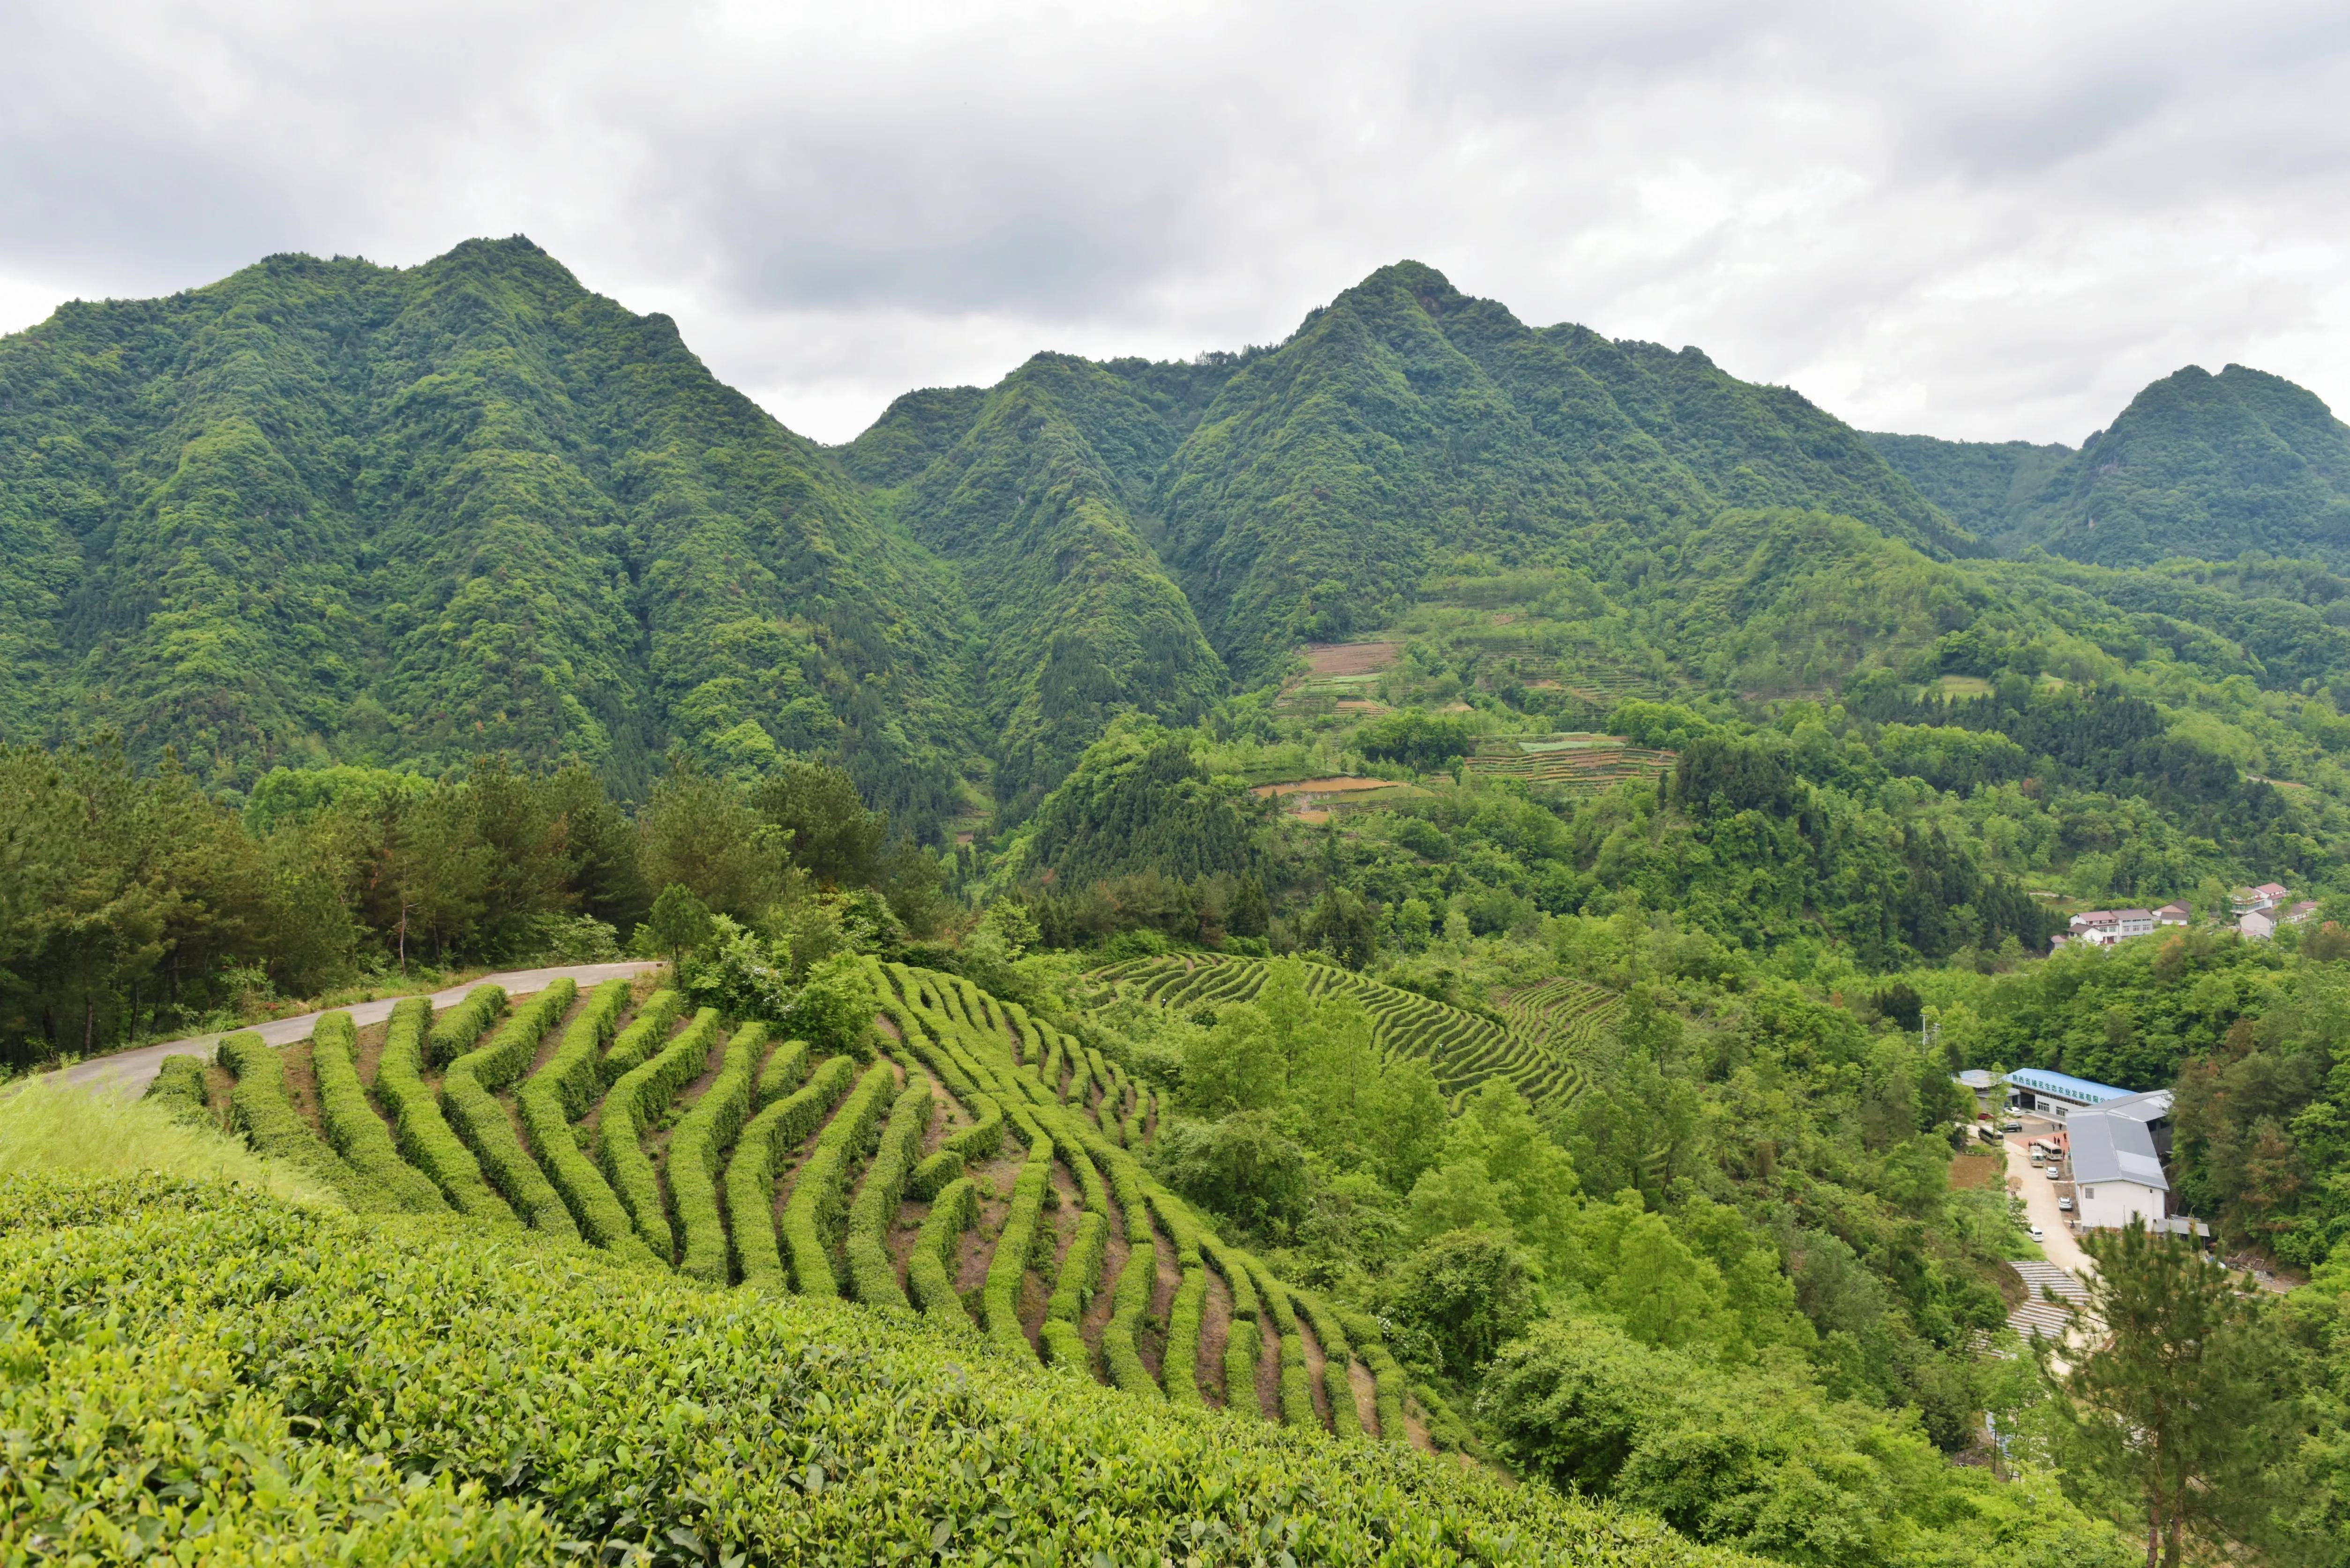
(2037, 1235)
(2066, 1204)
(2011, 1126)
(2055, 1172)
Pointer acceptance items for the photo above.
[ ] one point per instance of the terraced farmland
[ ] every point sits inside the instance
(1535, 1051)
(1583, 764)
(980, 1170)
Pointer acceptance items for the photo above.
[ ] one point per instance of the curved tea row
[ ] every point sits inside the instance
(982, 1170)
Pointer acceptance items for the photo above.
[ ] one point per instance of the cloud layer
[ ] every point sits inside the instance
(1996, 221)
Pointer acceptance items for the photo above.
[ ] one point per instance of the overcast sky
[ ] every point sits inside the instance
(1982, 219)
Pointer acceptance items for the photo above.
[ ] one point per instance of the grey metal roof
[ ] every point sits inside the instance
(2107, 1147)
(2151, 1106)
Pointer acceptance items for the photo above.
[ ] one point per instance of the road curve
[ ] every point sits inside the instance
(130, 1072)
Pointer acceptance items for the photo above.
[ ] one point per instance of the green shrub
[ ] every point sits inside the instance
(985, 1137)
(644, 1092)
(1338, 1364)
(637, 1045)
(1060, 1344)
(930, 1268)
(1386, 1376)
(179, 1086)
(468, 1100)
(422, 1133)
(1081, 1269)
(351, 1125)
(1235, 1268)
(933, 1174)
(594, 1208)
(786, 1071)
(701, 1141)
(1015, 1249)
(1446, 1429)
(1052, 1067)
(462, 1024)
(1297, 1384)
(751, 1174)
(1181, 1227)
(260, 1108)
(627, 1412)
(871, 1275)
(559, 1094)
(1242, 1351)
(1184, 1317)
(1091, 1190)
(815, 1212)
(1130, 1303)
(570, 1073)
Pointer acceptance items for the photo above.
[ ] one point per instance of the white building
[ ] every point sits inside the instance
(2257, 924)
(2116, 1169)
(2178, 914)
(2104, 928)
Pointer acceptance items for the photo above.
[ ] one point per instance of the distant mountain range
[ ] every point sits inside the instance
(2211, 467)
(324, 509)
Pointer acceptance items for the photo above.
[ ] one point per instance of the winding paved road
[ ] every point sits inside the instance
(130, 1072)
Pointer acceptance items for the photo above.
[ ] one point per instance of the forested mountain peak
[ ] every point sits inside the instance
(331, 509)
(2202, 467)
(327, 509)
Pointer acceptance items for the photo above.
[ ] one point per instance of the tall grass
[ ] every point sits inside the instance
(47, 1126)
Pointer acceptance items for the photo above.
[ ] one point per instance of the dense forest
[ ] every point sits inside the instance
(1483, 846)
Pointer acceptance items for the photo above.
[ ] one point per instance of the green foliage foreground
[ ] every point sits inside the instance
(195, 1367)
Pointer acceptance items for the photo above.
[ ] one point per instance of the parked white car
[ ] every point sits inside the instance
(2066, 1204)
(2037, 1235)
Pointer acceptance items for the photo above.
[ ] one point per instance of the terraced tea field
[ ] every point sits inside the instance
(1536, 1051)
(980, 1170)
(1583, 763)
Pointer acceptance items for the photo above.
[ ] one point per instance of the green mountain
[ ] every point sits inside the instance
(328, 509)
(1982, 484)
(2210, 467)
(1407, 421)
(324, 510)
(1038, 499)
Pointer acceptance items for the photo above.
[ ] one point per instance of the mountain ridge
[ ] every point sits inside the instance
(326, 510)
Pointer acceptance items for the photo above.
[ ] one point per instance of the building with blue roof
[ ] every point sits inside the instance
(2057, 1094)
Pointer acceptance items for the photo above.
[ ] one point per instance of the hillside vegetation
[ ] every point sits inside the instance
(251, 1350)
(984, 1168)
(986, 1188)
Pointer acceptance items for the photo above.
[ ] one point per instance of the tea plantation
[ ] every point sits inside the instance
(981, 1171)
(198, 1372)
(1534, 1050)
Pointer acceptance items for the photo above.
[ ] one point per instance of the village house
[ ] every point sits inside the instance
(2116, 1149)
(2257, 900)
(2104, 928)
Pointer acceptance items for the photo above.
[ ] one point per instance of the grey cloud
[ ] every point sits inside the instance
(1988, 221)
